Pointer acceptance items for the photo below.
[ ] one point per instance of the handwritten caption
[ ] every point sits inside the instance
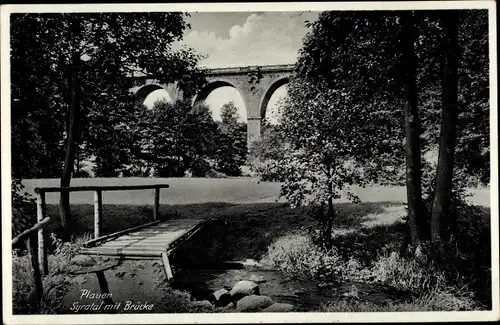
(106, 303)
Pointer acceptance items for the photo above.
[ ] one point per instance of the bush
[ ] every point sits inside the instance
(298, 257)
(467, 254)
(406, 274)
(174, 301)
(55, 284)
(23, 299)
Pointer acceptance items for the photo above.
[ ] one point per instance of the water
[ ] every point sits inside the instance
(306, 296)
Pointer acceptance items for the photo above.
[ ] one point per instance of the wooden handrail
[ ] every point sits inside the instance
(33, 254)
(99, 188)
(30, 231)
(40, 192)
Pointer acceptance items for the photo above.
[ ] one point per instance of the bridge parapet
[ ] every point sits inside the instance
(245, 69)
(230, 70)
(256, 84)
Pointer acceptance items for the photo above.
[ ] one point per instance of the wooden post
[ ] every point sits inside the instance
(97, 213)
(166, 266)
(42, 249)
(35, 267)
(156, 211)
(103, 284)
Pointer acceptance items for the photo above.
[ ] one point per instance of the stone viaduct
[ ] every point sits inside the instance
(256, 85)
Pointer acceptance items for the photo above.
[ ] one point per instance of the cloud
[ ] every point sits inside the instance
(265, 38)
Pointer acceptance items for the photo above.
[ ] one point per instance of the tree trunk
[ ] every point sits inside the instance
(78, 156)
(72, 140)
(329, 223)
(449, 115)
(330, 215)
(412, 130)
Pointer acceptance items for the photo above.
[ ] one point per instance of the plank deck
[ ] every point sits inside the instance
(146, 242)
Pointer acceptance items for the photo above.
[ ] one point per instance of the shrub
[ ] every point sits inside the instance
(406, 274)
(298, 257)
(23, 299)
(64, 252)
(55, 284)
(354, 271)
(174, 301)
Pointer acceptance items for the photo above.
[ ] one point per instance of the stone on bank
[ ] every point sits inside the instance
(253, 303)
(244, 288)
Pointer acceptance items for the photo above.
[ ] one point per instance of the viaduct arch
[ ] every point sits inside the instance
(256, 85)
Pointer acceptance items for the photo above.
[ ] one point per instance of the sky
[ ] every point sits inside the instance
(240, 39)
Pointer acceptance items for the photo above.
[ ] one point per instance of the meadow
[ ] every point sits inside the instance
(250, 221)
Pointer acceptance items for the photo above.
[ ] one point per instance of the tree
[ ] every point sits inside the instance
(378, 60)
(266, 153)
(337, 119)
(181, 138)
(73, 63)
(412, 128)
(449, 116)
(231, 150)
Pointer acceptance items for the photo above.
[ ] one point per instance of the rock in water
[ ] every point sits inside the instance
(83, 260)
(244, 288)
(250, 263)
(221, 298)
(257, 278)
(253, 303)
(279, 307)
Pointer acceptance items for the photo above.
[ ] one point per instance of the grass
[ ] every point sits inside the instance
(181, 190)
(434, 301)
(247, 221)
(55, 284)
(253, 226)
(203, 190)
(370, 255)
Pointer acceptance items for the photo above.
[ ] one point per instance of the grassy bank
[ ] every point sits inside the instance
(371, 255)
(248, 223)
(245, 229)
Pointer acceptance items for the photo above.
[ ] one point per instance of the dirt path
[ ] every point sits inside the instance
(131, 281)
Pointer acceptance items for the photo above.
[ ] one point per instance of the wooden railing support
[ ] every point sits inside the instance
(40, 192)
(30, 235)
(156, 210)
(31, 244)
(97, 213)
(42, 249)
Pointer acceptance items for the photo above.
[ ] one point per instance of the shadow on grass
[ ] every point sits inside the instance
(245, 231)
(366, 243)
(236, 231)
(351, 215)
(241, 231)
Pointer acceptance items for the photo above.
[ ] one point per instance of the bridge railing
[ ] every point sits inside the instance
(41, 208)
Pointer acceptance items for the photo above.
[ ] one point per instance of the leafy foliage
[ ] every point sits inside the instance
(266, 153)
(232, 143)
(55, 284)
(23, 208)
(179, 138)
(342, 123)
(111, 46)
(298, 257)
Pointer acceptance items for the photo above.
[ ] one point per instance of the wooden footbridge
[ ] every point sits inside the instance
(154, 240)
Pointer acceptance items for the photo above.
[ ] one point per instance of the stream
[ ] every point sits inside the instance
(306, 296)
(137, 281)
